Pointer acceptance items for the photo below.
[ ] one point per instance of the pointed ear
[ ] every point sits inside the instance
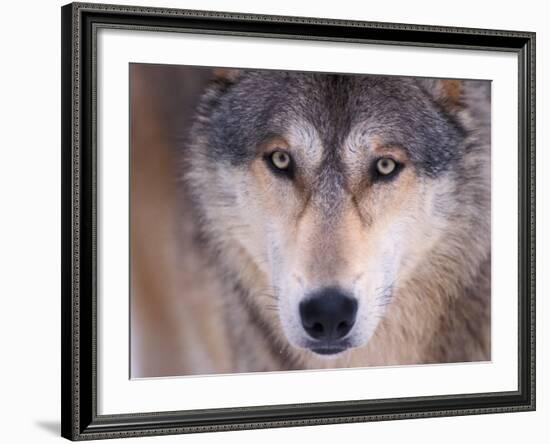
(229, 75)
(447, 92)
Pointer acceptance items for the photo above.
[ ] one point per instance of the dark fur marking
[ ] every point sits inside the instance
(365, 221)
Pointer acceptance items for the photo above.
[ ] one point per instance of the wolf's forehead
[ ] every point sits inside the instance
(303, 135)
(315, 145)
(350, 113)
(326, 113)
(340, 110)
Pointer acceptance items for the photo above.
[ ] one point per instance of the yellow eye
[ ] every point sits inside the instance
(385, 166)
(280, 160)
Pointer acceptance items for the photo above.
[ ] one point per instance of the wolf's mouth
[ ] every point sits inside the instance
(329, 349)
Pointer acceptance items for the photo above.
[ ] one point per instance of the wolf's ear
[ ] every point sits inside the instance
(447, 92)
(229, 75)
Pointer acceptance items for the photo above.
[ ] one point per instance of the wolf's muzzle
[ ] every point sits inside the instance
(328, 315)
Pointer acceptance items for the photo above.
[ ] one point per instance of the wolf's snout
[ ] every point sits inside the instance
(328, 315)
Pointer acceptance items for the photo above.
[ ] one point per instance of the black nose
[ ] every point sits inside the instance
(328, 314)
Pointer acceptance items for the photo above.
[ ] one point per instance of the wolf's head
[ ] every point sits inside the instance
(323, 194)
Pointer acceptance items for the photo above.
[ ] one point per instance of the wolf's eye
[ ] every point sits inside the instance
(386, 166)
(280, 160)
(280, 163)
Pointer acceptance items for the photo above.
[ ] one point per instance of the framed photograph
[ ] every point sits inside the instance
(282, 221)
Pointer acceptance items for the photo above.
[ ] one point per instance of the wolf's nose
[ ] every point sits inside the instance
(328, 314)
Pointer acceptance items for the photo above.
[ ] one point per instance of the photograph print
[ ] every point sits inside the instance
(285, 220)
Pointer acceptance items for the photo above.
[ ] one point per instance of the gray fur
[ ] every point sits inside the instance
(244, 112)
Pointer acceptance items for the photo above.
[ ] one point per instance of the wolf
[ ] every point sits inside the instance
(345, 218)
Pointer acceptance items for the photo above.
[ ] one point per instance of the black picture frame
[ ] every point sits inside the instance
(80, 419)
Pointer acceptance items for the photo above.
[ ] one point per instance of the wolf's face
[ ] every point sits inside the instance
(322, 192)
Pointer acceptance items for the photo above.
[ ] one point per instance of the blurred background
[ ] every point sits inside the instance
(169, 289)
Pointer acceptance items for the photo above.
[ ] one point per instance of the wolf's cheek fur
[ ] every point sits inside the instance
(402, 231)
